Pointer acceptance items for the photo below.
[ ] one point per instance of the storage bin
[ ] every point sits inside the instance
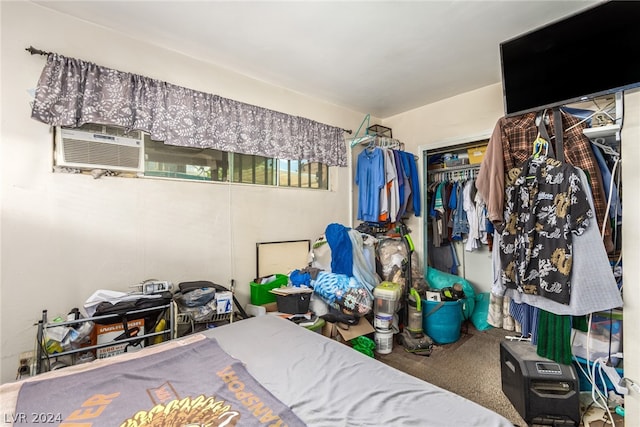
(604, 340)
(260, 291)
(584, 369)
(476, 154)
(379, 130)
(387, 295)
(297, 303)
(442, 320)
(456, 162)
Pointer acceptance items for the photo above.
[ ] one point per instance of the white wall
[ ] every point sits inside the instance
(65, 236)
(474, 114)
(452, 121)
(631, 249)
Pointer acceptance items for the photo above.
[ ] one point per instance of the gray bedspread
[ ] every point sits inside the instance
(327, 383)
(322, 381)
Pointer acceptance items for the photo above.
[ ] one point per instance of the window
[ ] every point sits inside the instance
(170, 161)
(206, 164)
(294, 173)
(251, 169)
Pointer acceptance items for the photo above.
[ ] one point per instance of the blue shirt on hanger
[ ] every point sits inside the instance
(370, 178)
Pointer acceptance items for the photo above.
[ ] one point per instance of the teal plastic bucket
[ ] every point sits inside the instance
(442, 320)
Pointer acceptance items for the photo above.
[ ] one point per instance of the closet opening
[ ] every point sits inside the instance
(448, 170)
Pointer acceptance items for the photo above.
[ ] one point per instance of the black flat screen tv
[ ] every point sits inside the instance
(589, 54)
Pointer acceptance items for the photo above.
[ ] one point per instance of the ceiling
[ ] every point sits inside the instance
(377, 57)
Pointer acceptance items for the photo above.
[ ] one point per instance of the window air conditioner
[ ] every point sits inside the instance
(99, 150)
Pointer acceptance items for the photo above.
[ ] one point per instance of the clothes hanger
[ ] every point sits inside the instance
(540, 147)
(603, 110)
(599, 142)
(371, 145)
(539, 118)
(360, 140)
(540, 144)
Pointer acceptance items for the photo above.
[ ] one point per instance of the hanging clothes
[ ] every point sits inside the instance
(404, 189)
(512, 137)
(460, 221)
(498, 315)
(527, 316)
(370, 178)
(456, 211)
(388, 185)
(545, 205)
(472, 217)
(448, 219)
(401, 176)
(615, 211)
(593, 284)
(389, 203)
(554, 337)
(409, 164)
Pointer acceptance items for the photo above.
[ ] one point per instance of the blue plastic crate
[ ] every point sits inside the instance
(585, 384)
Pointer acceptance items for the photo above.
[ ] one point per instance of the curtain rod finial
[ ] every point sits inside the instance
(33, 51)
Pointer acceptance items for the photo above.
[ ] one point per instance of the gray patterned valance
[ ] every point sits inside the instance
(72, 92)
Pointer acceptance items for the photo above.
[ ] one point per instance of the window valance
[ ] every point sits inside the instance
(72, 92)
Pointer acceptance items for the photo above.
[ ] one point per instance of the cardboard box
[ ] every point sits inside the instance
(333, 331)
(224, 302)
(330, 330)
(111, 333)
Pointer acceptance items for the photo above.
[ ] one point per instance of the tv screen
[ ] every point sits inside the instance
(589, 54)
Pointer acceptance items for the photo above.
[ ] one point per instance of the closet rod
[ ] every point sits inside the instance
(33, 51)
(454, 173)
(454, 169)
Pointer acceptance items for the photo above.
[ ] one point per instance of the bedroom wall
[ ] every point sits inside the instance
(463, 118)
(631, 249)
(474, 114)
(65, 236)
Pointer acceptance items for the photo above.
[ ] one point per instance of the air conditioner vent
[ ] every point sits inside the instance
(82, 149)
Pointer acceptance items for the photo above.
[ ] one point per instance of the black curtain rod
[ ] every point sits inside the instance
(33, 51)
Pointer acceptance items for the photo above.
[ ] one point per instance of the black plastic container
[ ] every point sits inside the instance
(297, 303)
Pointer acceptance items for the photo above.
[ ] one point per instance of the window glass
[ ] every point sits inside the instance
(303, 174)
(171, 161)
(250, 169)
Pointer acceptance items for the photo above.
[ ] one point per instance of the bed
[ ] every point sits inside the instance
(260, 371)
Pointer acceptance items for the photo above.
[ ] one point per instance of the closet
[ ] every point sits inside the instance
(596, 150)
(452, 169)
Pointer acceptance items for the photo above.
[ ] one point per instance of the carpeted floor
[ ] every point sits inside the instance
(469, 367)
